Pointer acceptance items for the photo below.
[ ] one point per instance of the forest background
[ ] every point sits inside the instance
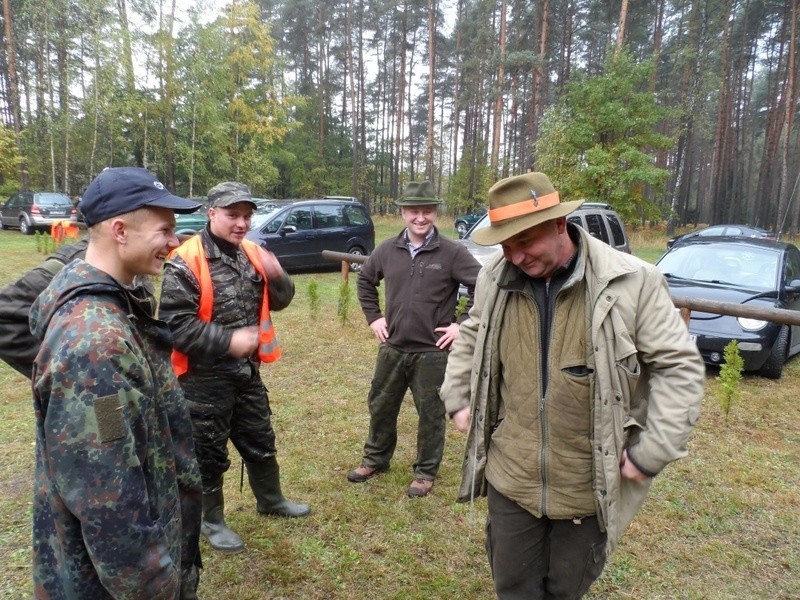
(678, 111)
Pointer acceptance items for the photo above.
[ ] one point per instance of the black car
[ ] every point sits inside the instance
(741, 270)
(299, 231)
(725, 230)
(465, 222)
(31, 211)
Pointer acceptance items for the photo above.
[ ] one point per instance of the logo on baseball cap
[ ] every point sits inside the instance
(119, 190)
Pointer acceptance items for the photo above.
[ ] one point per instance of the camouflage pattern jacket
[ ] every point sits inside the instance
(238, 290)
(117, 494)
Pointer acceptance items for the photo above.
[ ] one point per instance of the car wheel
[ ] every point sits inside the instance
(773, 368)
(25, 227)
(354, 266)
(461, 228)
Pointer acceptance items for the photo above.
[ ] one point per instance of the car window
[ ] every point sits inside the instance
(52, 200)
(328, 216)
(747, 267)
(711, 231)
(595, 227)
(300, 218)
(616, 229)
(792, 270)
(356, 215)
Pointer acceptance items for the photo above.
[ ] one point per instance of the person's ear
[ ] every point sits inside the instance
(119, 230)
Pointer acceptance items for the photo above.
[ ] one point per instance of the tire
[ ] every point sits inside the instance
(354, 266)
(461, 228)
(773, 367)
(25, 228)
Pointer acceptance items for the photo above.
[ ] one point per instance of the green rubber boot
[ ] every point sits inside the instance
(213, 528)
(265, 482)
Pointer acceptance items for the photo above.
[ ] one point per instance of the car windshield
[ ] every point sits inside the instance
(260, 215)
(748, 267)
(53, 200)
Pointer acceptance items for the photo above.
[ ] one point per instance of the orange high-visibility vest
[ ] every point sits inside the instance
(193, 254)
(63, 229)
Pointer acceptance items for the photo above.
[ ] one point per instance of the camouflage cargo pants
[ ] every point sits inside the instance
(395, 373)
(223, 406)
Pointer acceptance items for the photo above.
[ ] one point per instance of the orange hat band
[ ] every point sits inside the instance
(524, 207)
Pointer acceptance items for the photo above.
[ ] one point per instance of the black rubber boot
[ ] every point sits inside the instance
(265, 482)
(214, 529)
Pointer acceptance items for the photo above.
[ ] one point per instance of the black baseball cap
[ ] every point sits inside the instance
(119, 190)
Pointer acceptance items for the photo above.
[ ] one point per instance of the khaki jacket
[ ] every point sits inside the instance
(648, 376)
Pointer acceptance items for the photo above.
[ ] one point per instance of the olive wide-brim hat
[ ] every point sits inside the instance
(418, 193)
(518, 203)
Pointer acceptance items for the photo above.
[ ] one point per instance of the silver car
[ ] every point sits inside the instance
(29, 211)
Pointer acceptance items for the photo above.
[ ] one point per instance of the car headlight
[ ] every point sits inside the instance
(751, 324)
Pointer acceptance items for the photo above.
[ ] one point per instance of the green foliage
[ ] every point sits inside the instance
(9, 162)
(461, 306)
(343, 306)
(313, 299)
(730, 378)
(469, 184)
(600, 141)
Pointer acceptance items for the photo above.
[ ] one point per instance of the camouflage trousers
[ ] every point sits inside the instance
(232, 405)
(395, 373)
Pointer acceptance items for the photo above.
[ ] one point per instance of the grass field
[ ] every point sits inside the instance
(723, 523)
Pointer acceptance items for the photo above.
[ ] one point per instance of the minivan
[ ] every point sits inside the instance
(297, 232)
(598, 218)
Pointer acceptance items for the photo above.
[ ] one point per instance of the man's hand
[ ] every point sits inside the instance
(461, 419)
(629, 470)
(380, 329)
(244, 342)
(270, 264)
(449, 335)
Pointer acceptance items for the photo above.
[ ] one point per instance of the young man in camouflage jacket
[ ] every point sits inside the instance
(117, 497)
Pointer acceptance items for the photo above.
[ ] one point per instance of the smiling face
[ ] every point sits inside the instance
(419, 221)
(540, 250)
(231, 223)
(149, 235)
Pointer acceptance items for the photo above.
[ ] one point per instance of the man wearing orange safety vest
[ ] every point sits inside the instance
(216, 296)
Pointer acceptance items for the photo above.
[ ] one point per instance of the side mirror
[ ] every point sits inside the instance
(288, 229)
(793, 287)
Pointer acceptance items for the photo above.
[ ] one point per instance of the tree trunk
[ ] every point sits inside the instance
(790, 96)
(432, 5)
(498, 92)
(623, 18)
(13, 91)
(400, 113)
(130, 83)
(538, 77)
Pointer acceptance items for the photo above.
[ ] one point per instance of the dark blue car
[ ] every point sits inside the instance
(464, 223)
(299, 231)
(746, 271)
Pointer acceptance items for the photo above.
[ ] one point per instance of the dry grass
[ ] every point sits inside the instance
(724, 523)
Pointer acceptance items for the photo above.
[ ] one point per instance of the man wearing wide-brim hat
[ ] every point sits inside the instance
(422, 272)
(577, 382)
